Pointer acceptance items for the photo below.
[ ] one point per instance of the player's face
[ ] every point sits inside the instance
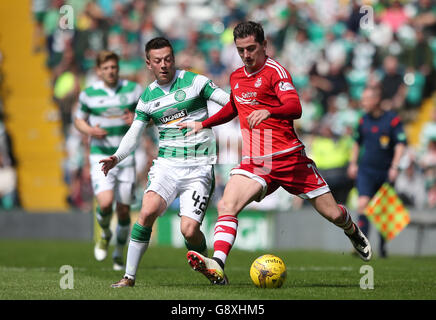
(370, 100)
(108, 72)
(252, 53)
(161, 63)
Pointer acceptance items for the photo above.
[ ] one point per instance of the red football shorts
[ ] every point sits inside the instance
(295, 172)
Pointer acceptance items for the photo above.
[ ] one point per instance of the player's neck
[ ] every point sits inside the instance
(377, 113)
(111, 86)
(257, 67)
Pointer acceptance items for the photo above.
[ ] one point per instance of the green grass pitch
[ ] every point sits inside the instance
(31, 270)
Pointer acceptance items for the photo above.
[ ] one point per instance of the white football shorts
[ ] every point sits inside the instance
(119, 179)
(194, 185)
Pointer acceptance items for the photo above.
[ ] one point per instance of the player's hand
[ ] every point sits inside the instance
(128, 117)
(256, 117)
(392, 174)
(97, 132)
(352, 170)
(195, 126)
(108, 163)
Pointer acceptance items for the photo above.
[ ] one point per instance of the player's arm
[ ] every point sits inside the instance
(130, 139)
(353, 166)
(95, 132)
(400, 147)
(290, 110)
(354, 157)
(81, 121)
(290, 106)
(226, 114)
(127, 146)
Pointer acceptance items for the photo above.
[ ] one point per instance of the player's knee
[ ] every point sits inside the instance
(190, 229)
(123, 211)
(226, 207)
(106, 207)
(147, 217)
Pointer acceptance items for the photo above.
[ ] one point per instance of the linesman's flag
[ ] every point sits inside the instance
(387, 212)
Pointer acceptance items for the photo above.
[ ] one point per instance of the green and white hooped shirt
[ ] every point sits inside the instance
(105, 107)
(183, 99)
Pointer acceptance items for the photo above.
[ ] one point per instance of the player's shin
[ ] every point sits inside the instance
(122, 233)
(138, 244)
(104, 219)
(346, 222)
(224, 237)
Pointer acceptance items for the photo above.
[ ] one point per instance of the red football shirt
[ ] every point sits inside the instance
(268, 87)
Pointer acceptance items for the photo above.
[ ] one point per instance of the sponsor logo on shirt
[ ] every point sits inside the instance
(172, 115)
(247, 98)
(248, 95)
(285, 86)
(113, 113)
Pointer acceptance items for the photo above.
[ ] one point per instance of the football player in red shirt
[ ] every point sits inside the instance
(264, 98)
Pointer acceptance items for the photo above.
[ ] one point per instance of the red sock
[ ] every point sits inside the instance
(224, 236)
(347, 223)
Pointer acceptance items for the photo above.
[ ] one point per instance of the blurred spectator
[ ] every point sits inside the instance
(428, 131)
(8, 178)
(300, 54)
(394, 16)
(426, 16)
(330, 57)
(410, 183)
(233, 13)
(66, 86)
(393, 87)
(332, 84)
(428, 163)
(331, 153)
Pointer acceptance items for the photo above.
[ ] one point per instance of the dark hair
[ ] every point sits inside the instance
(104, 56)
(249, 28)
(157, 43)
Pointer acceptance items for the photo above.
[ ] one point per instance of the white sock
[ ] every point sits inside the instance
(134, 254)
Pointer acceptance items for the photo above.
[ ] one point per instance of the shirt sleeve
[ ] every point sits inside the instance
(142, 109)
(83, 110)
(283, 86)
(227, 113)
(137, 94)
(130, 140)
(358, 132)
(398, 133)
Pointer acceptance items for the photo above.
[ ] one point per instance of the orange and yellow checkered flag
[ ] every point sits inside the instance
(387, 212)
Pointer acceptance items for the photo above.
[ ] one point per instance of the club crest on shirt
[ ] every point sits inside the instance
(123, 99)
(258, 82)
(180, 95)
(384, 141)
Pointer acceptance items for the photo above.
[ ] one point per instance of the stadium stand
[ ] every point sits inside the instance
(331, 55)
(31, 116)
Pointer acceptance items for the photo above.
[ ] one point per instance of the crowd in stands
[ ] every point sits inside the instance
(332, 48)
(8, 177)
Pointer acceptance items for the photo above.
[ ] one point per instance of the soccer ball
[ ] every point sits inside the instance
(268, 271)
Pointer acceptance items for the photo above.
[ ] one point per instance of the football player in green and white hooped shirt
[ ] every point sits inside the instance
(105, 113)
(184, 166)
